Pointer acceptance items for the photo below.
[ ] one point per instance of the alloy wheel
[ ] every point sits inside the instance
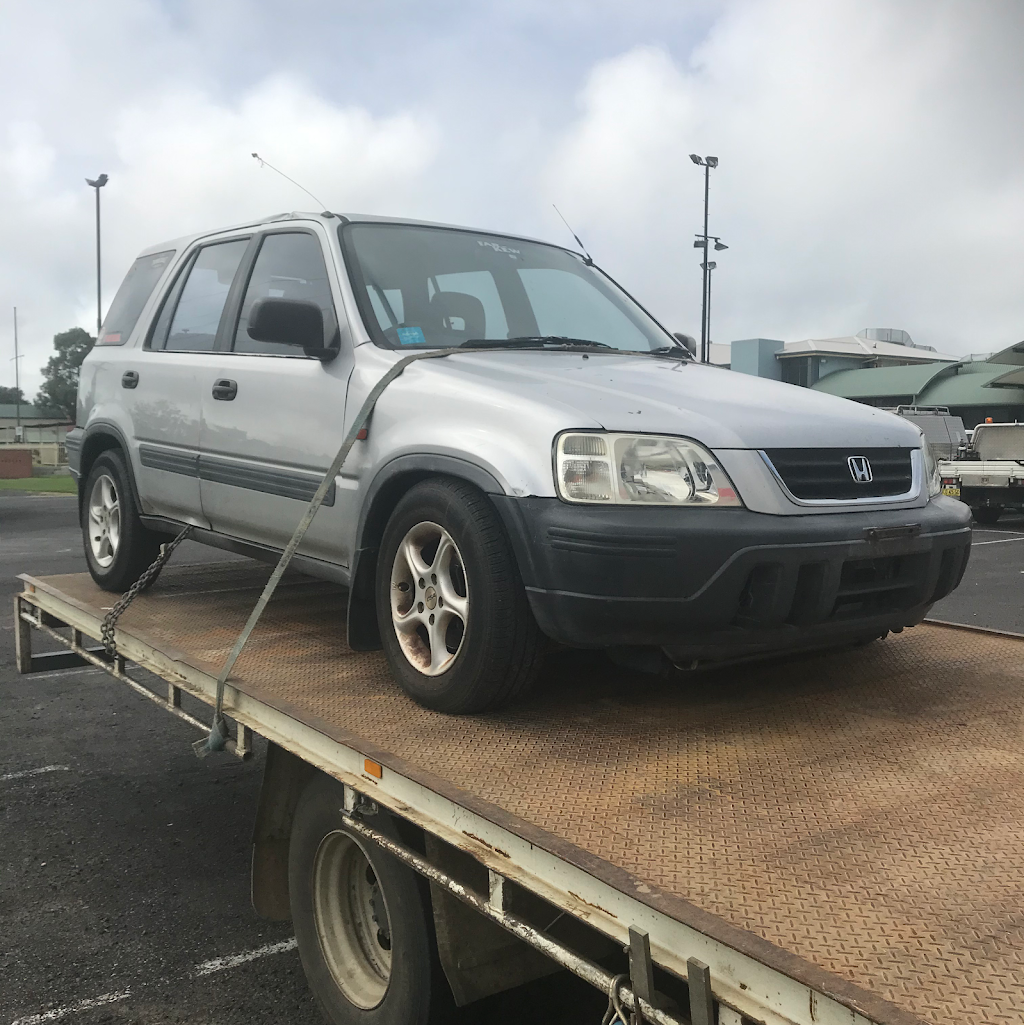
(429, 598)
(104, 521)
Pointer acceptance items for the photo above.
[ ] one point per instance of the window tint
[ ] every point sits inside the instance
(567, 304)
(289, 266)
(197, 314)
(136, 288)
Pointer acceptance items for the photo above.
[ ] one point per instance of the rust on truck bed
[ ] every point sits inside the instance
(863, 809)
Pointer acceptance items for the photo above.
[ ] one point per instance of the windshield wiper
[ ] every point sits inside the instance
(535, 342)
(675, 351)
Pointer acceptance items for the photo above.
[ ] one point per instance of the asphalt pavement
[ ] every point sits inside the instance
(124, 886)
(124, 861)
(991, 591)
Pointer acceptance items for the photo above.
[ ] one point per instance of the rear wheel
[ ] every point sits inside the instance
(987, 514)
(117, 546)
(362, 921)
(454, 619)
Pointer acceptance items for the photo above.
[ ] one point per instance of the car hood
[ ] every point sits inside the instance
(723, 409)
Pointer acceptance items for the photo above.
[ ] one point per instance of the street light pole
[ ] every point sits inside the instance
(707, 163)
(98, 184)
(704, 327)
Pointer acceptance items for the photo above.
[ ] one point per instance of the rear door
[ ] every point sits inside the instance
(163, 394)
(272, 418)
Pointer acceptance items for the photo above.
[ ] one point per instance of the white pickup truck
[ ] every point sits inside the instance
(988, 473)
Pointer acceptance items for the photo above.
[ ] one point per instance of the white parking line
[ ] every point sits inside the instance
(218, 964)
(34, 772)
(82, 1005)
(1001, 541)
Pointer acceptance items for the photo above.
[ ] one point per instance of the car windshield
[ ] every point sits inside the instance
(422, 287)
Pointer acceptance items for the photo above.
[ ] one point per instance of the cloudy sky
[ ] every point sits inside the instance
(872, 151)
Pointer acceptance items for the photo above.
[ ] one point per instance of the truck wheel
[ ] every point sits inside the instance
(117, 546)
(361, 921)
(454, 619)
(987, 514)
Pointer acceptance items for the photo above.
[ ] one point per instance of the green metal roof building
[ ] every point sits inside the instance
(972, 390)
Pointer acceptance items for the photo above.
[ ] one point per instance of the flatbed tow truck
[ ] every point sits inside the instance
(832, 838)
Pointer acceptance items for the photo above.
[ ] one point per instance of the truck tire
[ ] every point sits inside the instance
(362, 920)
(444, 550)
(117, 546)
(987, 514)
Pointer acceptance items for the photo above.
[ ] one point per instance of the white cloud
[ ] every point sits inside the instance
(182, 145)
(180, 161)
(872, 151)
(869, 174)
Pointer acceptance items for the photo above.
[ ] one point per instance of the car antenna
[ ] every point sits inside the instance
(267, 163)
(587, 259)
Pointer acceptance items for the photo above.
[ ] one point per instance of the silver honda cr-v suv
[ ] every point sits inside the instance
(574, 477)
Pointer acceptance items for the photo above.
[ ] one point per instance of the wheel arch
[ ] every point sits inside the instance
(100, 438)
(392, 481)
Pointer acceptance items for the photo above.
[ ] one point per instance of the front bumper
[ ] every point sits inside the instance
(725, 583)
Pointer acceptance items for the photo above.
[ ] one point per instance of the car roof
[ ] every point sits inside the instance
(329, 218)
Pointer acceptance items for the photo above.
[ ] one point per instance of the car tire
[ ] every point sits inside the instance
(987, 514)
(362, 920)
(444, 550)
(118, 548)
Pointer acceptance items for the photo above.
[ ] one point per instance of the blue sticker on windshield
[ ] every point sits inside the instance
(411, 336)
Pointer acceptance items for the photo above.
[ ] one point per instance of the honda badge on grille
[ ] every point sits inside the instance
(860, 469)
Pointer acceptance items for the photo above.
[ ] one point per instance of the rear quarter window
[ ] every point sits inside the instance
(131, 297)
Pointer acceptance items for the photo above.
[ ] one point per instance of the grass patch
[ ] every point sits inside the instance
(49, 485)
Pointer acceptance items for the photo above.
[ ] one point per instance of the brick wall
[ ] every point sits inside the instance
(15, 464)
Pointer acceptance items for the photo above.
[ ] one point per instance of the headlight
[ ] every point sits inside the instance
(622, 469)
(931, 468)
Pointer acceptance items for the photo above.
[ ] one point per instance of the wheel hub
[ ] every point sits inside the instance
(352, 920)
(429, 598)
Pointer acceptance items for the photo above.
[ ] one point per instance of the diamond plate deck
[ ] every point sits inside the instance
(863, 810)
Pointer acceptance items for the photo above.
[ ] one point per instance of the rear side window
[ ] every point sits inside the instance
(135, 290)
(191, 315)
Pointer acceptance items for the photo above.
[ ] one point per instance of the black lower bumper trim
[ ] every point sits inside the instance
(726, 583)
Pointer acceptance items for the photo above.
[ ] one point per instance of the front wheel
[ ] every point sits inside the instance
(454, 619)
(361, 920)
(118, 548)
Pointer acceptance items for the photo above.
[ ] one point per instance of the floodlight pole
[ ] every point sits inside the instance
(705, 341)
(704, 326)
(98, 184)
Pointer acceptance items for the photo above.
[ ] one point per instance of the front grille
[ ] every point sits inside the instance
(824, 473)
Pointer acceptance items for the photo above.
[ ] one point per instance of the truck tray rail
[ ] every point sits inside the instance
(837, 836)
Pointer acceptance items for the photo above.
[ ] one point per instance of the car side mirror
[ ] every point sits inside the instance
(297, 322)
(689, 343)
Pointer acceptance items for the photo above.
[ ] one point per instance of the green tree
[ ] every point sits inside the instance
(11, 395)
(60, 375)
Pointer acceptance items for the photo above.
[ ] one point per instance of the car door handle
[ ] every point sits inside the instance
(130, 379)
(224, 389)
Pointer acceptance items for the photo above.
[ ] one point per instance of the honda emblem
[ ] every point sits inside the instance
(860, 469)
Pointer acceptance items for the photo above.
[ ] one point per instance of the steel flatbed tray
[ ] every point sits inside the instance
(839, 836)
